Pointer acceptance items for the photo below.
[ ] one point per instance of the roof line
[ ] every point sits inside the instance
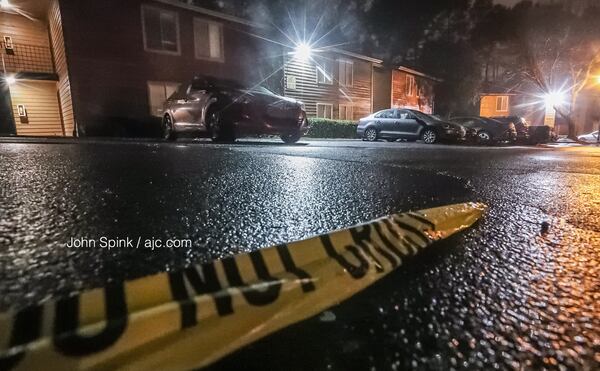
(211, 13)
(417, 73)
(355, 55)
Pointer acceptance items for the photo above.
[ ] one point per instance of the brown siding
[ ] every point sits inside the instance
(382, 89)
(31, 44)
(488, 106)
(60, 60)
(41, 102)
(307, 89)
(423, 97)
(23, 30)
(359, 95)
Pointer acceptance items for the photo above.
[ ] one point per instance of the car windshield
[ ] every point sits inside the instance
(427, 118)
(262, 90)
(328, 185)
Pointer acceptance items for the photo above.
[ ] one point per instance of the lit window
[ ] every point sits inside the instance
(411, 85)
(161, 30)
(324, 71)
(208, 39)
(324, 111)
(346, 73)
(158, 93)
(346, 112)
(502, 103)
(291, 82)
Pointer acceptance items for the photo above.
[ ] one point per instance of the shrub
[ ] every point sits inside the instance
(324, 128)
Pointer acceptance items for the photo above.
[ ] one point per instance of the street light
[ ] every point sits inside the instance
(303, 51)
(6, 5)
(10, 80)
(554, 99)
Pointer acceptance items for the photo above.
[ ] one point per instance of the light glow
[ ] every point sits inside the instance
(303, 51)
(10, 80)
(554, 99)
(6, 5)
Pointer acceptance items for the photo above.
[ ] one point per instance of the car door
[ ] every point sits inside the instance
(407, 124)
(179, 106)
(196, 104)
(385, 122)
(188, 105)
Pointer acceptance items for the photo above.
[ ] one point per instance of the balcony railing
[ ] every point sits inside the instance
(27, 58)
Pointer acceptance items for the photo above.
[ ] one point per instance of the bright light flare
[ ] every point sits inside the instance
(303, 51)
(6, 5)
(10, 80)
(554, 99)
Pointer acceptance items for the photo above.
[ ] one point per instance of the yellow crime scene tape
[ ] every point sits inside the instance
(192, 318)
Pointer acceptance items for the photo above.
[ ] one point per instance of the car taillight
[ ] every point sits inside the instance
(301, 118)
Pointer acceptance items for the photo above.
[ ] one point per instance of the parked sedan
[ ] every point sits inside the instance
(225, 110)
(486, 130)
(589, 138)
(394, 124)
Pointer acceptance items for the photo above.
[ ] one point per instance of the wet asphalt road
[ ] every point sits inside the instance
(503, 295)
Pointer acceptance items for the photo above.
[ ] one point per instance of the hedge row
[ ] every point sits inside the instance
(323, 128)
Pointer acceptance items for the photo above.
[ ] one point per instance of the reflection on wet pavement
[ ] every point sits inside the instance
(521, 290)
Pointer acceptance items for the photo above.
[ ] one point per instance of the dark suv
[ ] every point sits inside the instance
(485, 130)
(520, 123)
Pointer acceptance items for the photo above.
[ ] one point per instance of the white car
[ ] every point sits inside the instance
(589, 138)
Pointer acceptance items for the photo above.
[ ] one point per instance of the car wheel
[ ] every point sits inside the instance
(219, 131)
(371, 135)
(484, 137)
(429, 136)
(167, 129)
(291, 138)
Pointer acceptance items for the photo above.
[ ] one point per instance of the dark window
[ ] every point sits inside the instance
(324, 71)
(208, 39)
(161, 30)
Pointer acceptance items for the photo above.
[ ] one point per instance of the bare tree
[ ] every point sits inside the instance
(559, 52)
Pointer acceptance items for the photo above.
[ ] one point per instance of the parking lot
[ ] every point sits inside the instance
(519, 288)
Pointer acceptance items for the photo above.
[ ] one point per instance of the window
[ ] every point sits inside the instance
(410, 85)
(324, 71)
(324, 111)
(208, 40)
(346, 73)
(158, 93)
(291, 82)
(387, 114)
(403, 115)
(161, 30)
(502, 103)
(346, 112)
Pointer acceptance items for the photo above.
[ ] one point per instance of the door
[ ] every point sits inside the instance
(180, 106)
(7, 122)
(386, 122)
(407, 124)
(195, 104)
